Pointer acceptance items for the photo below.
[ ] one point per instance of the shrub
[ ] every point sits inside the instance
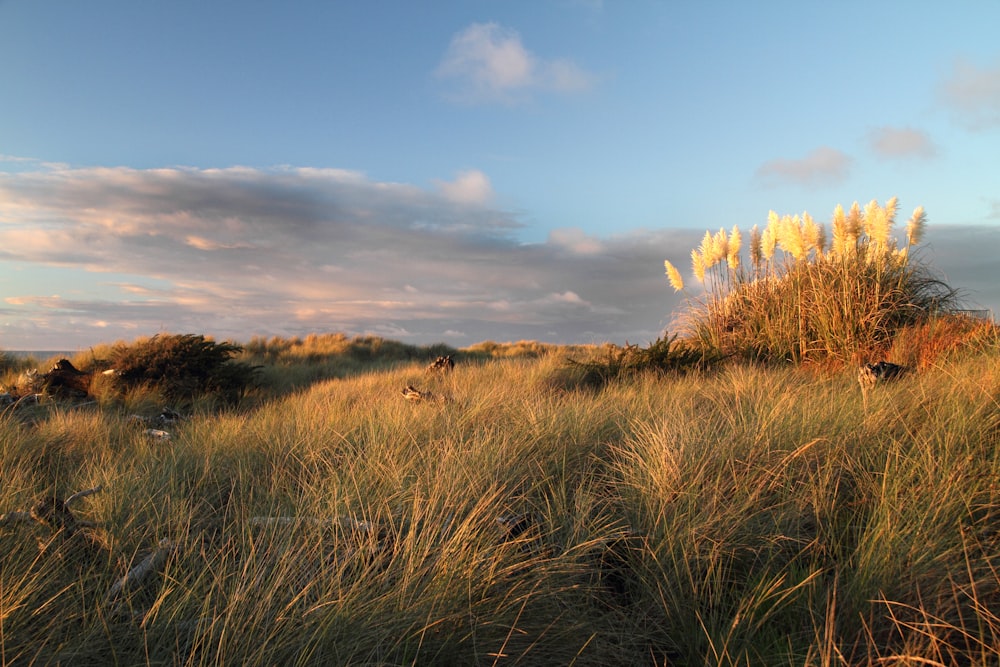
(815, 300)
(182, 366)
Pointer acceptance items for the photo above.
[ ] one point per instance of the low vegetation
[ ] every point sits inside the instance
(744, 515)
(680, 503)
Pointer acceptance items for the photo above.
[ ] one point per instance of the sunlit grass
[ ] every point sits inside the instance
(740, 516)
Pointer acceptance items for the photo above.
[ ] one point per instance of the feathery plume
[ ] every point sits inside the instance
(790, 237)
(840, 232)
(891, 207)
(769, 240)
(756, 254)
(810, 234)
(720, 246)
(876, 225)
(854, 224)
(698, 265)
(674, 276)
(707, 250)
(916, 226)
(735, 244)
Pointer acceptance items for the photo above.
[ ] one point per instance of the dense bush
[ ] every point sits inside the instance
(816, 300)
(182, 366)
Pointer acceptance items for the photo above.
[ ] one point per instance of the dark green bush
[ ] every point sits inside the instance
(182, 367)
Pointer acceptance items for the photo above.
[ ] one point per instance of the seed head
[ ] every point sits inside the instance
(698, 265)
(916, 226)
(674, 276)
(735, 244)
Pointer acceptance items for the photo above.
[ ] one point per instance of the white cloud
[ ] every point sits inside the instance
(489, 63)
(973, 94)
(469, 187)
(901, 143)
(821, 167)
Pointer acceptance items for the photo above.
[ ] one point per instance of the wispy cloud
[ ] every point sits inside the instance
(973, 94)
(488, 63)
(901, 143)
(821, 167)
(238, 252)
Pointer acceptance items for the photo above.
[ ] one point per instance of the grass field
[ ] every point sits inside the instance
(520, 515)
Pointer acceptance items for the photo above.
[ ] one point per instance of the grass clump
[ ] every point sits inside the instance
(805, 296)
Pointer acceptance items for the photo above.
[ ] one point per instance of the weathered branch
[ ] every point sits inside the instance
(83, 494)
(149, 564)
(26, 515)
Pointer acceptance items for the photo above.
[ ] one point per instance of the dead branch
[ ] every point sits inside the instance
(22, 516)
(147, 565)
(83, 494)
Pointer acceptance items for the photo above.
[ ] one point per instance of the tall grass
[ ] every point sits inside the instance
(748, 516)
(803, 297)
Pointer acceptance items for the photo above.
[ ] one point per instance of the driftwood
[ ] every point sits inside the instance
(413, 394)
(53, 512)
(66, 380)
(442, 365)
(142, 570)
(871, 374)
(83, 494)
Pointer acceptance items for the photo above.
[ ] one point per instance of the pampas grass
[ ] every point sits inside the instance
(825, 302)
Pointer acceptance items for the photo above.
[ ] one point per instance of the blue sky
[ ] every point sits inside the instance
(462, 171)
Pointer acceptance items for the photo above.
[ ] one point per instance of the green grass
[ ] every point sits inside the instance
(742, 515)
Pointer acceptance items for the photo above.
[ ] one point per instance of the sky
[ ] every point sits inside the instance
(461, 171)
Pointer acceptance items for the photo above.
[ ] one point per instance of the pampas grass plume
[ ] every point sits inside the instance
(790, 237)
(720, 246)
(810, 234)
(769, 239)
(840, 232)
(876, 224)
(674, 276)
(707, 250)
(854, 224)
(698, 265)
(756, 254)
(735, 244)
(916, 226)
(891, 207)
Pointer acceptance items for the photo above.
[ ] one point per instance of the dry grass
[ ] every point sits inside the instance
(741, 516)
